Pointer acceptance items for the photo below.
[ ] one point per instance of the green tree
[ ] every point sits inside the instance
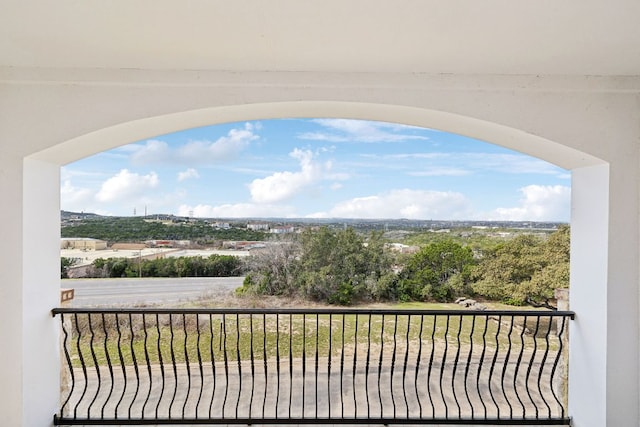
(220, 266)
(338, 267)
(525, 270)
(439, 271)
(272, 269)
(65, 264)
(214, 266)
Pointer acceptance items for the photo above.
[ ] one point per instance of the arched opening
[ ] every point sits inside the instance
(590, 185)
(369, 174)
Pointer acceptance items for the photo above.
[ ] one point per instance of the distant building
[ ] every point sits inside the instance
(258, 226)
(160, 243)
(283, 230)
(242, 245)
(128, 246)
(161, 221)
(221, 225)
(167, 243)
(403, 249)
(82, 243)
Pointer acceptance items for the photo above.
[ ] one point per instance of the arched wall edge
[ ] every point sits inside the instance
(136, 130)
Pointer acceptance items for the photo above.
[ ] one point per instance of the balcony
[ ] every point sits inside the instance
(310, 366)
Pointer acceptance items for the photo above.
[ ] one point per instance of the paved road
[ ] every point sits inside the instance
(103, 292)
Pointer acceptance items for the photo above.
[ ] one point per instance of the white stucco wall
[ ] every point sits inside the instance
(52, 117)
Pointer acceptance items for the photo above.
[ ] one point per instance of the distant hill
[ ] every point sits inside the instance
(77, 215)
(357, 223)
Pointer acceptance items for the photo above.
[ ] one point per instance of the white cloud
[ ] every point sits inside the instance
(75, 199)
(188, 174)
(405, 203)
(238, 210)
(465, 163)
(126, 186)
(285, 185)
(539, 203)
(347, 130)
(223, 149)
(67, 173)
(441, 171)
(152, 152)
(508, 163)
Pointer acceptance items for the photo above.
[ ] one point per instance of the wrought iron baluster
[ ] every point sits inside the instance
(239, 362)
(304, 361)
(418, 359)
(122, 365)
(147, 360)
(367, 363)
(515, 374)
(96, 365)
(431, 357)
(264, 360)
(162, 371)
(226, 364)
(393, 362)
(253, 366)
(404, 366)
(353, 370)
(200, 365)
(542, 366)
(530, 365)
(481, 364)
(329, 365)
(317, 344)
(83, 365)
(109, 365)
(493, 364)
(342, 369)
(213, 365)
(443, 364)
(67, 356)
(455, 367)
(290, 362)
(135, 365)
(505, 367)
(277, 364)
(468, 367)
(173, 364)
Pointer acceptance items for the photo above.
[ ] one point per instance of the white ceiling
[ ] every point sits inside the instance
(585, 37)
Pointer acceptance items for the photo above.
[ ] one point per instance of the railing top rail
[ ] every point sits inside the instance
(336, 311)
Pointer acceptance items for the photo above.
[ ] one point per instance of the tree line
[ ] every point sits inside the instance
(212, 266)
(343, 267)
(123, 229)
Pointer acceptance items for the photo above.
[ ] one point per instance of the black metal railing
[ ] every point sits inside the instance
(283, 366)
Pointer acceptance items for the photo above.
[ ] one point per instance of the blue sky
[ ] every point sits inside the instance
(329, 168)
